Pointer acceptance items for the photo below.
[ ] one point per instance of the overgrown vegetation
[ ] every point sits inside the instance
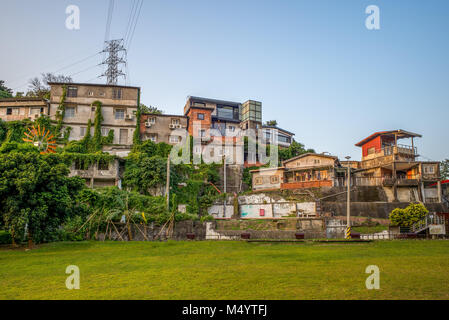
(408, 216)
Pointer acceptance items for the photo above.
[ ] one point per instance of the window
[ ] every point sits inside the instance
(174, 139)
(428, 169)
(119, 114)
(371, 150)
(101, 94)
(70, 112)
(258, 181)
(123, 136)
(79, 164)
(200, 116)
(116, 93)
(105, 131)
(231, 128)
(284, 139)
(90, 93)
(316, 161)
(34, 111)
(152, 120)
(175, 121)
(274, 179)
(225, 112)
(72, 92)
(103, 165)
(83, 131)
(12, 111)
(199, 104)
(153, 137)
(201, 133)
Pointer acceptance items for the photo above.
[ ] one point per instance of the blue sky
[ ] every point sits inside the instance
(316, 68)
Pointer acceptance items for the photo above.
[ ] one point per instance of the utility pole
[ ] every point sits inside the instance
(114, 59)
(348, 201)
(224, 183)
(167, 187)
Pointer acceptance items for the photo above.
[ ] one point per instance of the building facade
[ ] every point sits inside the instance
(119, 108)
(386, 162)
(163, 128)
(16, 109)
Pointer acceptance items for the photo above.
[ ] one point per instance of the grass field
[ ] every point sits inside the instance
(227, 270)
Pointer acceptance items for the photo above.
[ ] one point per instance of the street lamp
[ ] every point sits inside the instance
(348, 202)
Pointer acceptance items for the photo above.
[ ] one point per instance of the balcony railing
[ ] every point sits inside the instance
(386, 181)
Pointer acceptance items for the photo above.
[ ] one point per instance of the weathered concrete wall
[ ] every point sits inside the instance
(372, 209)
(217, 211)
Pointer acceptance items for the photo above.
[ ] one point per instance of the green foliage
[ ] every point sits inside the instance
(408, 216)
(444, 169)
(5, 92)
(35, 190)
(109, 139)
(97, 139)
(60, 112)
(150, 109)
(294, 150)
(272, 123)
(136, 135)
(5, 237)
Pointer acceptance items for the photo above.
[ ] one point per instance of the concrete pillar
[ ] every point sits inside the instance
(440, 197)
(423, 193)
(395, 183)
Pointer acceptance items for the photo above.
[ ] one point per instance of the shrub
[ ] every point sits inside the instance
(5, 237)
(408, 216)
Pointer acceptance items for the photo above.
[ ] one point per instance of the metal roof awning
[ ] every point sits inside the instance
(401, 134)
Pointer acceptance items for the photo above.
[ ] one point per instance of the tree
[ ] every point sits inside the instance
(5, 92)
(36, 194)
(272, 123)
(407, 217)
(150, 109)
(444, 169)
(40, 88)
(294, 150)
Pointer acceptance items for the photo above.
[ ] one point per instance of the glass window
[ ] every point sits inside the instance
(104, 132)
(116, 93)
(174, 121)
(174, 139)
(200, 116)
(70, 112)
(225, 112)
(72, 92)
(120, 114)
(82, 131)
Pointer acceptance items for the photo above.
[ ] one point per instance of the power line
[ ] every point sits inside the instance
(131, 36)
(109, 20)
(63, 68)
(131, 14)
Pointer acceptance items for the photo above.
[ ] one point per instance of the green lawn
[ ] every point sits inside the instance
(227, 270)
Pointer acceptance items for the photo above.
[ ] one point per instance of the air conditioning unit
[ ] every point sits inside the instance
(148, 124)
(178, 126)
(172, 126)
(129, 117)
